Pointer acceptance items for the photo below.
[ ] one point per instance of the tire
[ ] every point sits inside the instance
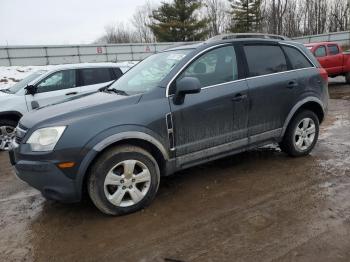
(115, 181)
(347, 78)
(7, 133)
(299, 140)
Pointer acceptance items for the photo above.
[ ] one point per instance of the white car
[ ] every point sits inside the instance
(46, 87)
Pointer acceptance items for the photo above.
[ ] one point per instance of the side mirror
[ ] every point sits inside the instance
(31, 90)
(185, 86)
(35, 105)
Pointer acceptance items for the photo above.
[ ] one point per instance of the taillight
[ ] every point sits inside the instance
(323, 73)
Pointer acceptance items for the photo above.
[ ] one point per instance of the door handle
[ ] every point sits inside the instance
(292, 84)
(72, 94)
(239, 97)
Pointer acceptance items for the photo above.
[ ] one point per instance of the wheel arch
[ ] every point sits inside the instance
(311, 103)
(11, 115)
(140, 139)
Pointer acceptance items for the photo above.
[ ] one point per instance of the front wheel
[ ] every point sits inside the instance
(301, 135)
(7, 133)
(123, 180)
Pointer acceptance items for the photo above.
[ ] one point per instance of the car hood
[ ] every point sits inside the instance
(11, 102)
(66, 112)
(4, 95)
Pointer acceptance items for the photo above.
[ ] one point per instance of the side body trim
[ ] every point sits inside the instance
(209, 153)
(265, 136)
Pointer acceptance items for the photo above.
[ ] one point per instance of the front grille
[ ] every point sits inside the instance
(20, 133)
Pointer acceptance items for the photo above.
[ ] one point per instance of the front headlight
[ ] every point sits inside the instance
(45, 139)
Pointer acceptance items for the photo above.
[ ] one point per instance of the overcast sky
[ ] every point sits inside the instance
(60, 21)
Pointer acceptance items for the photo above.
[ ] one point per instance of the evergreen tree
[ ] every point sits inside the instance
(246, 16)
(177, 21)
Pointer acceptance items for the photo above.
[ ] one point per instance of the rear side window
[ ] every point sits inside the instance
(320, 51)
(117, 73)
(92, 76)
(333, 49)
(296, 58)
(265, 59)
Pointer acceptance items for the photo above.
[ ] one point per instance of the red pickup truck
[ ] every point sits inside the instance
(332, 58)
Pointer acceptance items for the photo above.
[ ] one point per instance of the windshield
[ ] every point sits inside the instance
(147, 75)
(24, 82)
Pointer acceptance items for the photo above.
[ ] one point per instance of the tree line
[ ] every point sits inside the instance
(193, 20)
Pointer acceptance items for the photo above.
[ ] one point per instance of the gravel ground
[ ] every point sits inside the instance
(257, 206)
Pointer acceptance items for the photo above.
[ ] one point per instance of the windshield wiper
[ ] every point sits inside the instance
(117, 91)
(6, 91)
(103, 89)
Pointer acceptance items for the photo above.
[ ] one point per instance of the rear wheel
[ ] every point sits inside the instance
(347, 78)
(7, 133)
(124, 179)
(301, 135)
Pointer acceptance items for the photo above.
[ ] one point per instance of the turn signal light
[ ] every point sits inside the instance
(66, 165)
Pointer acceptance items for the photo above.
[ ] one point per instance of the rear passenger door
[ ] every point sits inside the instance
(92, 79)
(273, 90)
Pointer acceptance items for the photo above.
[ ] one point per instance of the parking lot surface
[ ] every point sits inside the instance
(257, 206)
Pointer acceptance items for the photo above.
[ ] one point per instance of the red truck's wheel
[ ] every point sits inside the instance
(347, 78)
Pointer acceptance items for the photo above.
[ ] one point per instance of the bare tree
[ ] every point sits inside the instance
(292, 19)
(141, 21)
(217, 12)
(339, 16)
(118, 33)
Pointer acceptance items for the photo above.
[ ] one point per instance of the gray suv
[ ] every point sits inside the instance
(176, 109)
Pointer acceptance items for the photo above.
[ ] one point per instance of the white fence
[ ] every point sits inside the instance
(342, 38)
(68, 54)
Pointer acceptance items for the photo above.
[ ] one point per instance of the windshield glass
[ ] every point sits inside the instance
(147, 75)
(24, 82)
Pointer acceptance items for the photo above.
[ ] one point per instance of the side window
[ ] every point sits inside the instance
(57, 81)
(297, 59)
(117, 72)
(333, 49)
(265, 59)
(92, 76)
(214, 67)
(321, 51)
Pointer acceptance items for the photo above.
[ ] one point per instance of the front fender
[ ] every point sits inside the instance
(113, 135)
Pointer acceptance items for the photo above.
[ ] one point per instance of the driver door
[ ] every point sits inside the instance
(54, 88)
(213, 121)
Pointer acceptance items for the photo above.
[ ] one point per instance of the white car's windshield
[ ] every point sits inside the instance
(24, 82)
(147, 75)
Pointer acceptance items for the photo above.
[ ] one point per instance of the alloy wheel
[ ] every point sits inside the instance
(7, 134)
(127, 183)
(304, 134)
